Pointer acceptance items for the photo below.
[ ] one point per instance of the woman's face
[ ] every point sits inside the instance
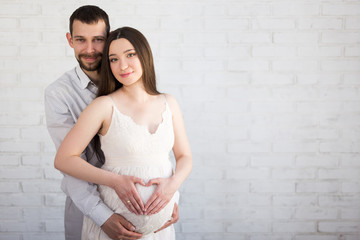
(124, 62)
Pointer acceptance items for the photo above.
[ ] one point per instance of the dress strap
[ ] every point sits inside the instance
(163, 94)
(112, 100)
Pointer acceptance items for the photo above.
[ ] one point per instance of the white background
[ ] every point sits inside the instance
(269, 90)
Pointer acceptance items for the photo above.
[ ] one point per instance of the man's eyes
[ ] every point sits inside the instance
(95, 40)
(99, 39)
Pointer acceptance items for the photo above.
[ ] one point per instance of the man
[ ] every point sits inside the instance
(65, 99)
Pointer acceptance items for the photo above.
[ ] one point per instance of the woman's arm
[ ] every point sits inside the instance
(182, 152)
(93, 119)
(181, 148)
(68, 158)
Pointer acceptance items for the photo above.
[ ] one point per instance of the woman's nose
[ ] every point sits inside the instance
(123, 65)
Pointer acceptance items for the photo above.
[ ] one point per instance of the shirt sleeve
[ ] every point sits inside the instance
(85, 196)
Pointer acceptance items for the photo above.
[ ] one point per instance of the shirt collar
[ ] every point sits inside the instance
(84, 79)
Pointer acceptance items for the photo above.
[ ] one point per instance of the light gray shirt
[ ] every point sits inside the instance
(65, 99)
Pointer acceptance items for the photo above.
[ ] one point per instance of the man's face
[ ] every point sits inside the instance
(88, 42)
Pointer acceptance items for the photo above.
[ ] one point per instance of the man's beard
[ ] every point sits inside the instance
(92, 66)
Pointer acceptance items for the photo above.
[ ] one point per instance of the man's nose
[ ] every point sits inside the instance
(90, 47)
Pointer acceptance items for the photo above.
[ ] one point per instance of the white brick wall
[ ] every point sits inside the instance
(270, 92)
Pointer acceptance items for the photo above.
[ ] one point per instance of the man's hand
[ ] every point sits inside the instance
(174, 218)
(117, 227)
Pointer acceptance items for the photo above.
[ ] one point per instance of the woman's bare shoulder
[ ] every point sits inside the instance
(170, 99)
(101, 102)
(173, 103)
(101, 106)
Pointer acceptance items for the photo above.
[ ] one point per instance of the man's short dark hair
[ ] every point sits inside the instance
(89, 14)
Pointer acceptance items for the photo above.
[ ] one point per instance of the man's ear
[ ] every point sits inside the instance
(69, 38)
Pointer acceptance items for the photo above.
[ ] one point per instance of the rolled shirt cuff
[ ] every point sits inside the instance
(100, 214)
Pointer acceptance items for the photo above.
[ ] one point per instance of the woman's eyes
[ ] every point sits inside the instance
(129, 55)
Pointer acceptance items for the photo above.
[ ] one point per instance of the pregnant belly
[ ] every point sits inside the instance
(144, 224)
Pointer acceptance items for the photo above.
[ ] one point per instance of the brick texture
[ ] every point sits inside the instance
(270, 93)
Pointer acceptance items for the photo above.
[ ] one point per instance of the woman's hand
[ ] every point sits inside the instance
(164, 191)
(174, 218)
(124, 187)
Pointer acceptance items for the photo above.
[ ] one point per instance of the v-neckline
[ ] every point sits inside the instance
(144, 126)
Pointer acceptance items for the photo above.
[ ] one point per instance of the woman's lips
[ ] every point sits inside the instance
(124, 75)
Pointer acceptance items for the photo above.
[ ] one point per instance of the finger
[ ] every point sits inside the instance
(129, 206)
(151, 200)
(159, 207)
(174, 218)
(152, 206)
(126, 224)
(124, 233)
(139, 181)
(168, 223)
(128, 230)
(138, 203)
(175, 214)
(136, 206)
(154, 181)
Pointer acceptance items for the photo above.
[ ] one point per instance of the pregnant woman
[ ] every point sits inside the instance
(137, 128)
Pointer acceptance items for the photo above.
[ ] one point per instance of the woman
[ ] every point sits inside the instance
(137, 127)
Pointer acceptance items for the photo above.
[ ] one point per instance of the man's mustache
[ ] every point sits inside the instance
(94, 55)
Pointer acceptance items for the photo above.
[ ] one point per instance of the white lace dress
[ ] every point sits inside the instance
(130, 149)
